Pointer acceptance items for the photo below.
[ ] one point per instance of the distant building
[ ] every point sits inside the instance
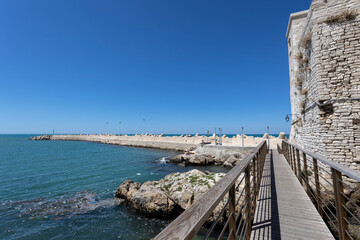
(324, 64)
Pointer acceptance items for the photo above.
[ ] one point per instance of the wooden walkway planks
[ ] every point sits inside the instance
(284, 211)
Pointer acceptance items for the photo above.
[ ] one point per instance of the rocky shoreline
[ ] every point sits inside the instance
(41, 137)
(170, 196)
(228, 160)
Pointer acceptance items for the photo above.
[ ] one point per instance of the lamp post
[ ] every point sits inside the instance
(287, 118)
(220, 136)
(107, 128)
(215, 137)
(119, 128)
(268, 137)
(242, 136)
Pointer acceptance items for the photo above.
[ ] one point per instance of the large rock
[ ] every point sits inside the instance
(176, 159)
(200, 159)
(231, 159)
(228, 165)
(169, 196)
(42, 137)
(207, 159)
(127, 189)
(152, 201)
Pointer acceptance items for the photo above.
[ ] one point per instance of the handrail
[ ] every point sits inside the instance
(326, 188)
(191, 220)
(341, 168)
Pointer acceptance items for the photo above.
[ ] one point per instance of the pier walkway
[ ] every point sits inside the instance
(288, 193)
(284, 210)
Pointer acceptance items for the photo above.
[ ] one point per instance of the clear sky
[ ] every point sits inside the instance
(185, 66)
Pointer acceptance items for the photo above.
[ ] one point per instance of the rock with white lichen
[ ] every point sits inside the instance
(170, 196)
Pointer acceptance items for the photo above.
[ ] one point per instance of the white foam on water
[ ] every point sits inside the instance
(163, 160)
(67, 205)
(138, 174)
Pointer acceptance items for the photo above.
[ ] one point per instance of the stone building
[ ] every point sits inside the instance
(324, 64)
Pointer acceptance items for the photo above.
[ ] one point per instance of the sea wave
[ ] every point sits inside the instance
(163, 160)
(67, 205)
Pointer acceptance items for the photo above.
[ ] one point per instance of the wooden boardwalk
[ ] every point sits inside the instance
(284, 211)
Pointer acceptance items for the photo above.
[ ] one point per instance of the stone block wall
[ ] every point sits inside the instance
(324, 62)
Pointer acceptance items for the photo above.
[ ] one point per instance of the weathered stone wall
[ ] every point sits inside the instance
(325, 85)
(294, 34)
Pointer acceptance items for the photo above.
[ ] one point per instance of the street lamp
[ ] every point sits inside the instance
(287, 118)
(119, 128)
(268, 132)
(107, 128)
(242, 136)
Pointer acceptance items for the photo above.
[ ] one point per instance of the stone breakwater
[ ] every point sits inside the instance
(179, 143)
(132, 141)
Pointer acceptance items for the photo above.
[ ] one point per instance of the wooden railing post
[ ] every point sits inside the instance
(287, 151)
(284, 149)
(259, 169)
(339, 202)
(317, 186)
(298, 166)
(247, 203)
(294, 162)
(232, 224)
(291, 158)
(255, 187)
(306, 177)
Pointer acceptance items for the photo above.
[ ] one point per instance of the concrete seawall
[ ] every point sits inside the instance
(178, 143)
(131, 141)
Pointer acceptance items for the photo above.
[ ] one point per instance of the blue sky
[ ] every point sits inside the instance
(184, 66)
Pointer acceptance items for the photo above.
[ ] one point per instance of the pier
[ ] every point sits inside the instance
(288, 193)
(178, 143)
(284, 211)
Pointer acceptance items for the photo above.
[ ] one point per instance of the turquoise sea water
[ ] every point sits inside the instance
(65, 189)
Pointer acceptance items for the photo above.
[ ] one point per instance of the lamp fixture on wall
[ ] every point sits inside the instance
(287, 118)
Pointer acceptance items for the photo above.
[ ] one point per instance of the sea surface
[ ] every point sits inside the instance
(66, 189)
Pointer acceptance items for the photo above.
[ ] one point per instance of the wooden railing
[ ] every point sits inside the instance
(331, 186)
(239, 188)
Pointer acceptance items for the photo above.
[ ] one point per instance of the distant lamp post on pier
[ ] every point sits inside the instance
(220, 136)
(119, 128)
(268, 137)
(215, 137)
(107, 128)
(242, 136)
